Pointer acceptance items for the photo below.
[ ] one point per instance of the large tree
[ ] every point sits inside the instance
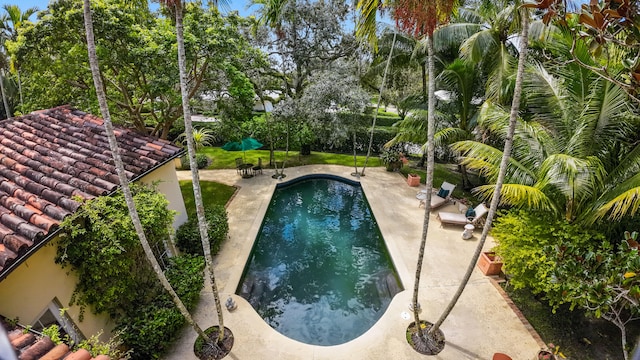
(138, 60)
(305, 37)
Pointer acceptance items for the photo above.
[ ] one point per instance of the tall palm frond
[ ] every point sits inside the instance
(486, 160)
(518, 195)
(622, 200)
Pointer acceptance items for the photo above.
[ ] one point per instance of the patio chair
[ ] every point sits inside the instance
(239, 163)
(462, 219)
(437, 199)
(258, 168)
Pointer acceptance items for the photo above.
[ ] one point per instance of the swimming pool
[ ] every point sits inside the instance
(319, 271)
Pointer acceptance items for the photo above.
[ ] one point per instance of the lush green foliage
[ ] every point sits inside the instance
(151, 329)
(522, 237)
(226, 159)
(100, 244)
(137, 54)
(201, 159)
(188, 234)
(599, 278)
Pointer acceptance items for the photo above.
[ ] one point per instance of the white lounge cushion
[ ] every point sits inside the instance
(460, 218)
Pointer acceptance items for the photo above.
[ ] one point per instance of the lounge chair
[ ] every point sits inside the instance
(461, 218)
(436, 200)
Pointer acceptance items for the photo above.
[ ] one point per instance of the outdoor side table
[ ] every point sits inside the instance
(468, 231)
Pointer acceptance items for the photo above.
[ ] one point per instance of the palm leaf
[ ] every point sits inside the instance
(450, 135)
(622, 200)
(517, 195)
(486, 160)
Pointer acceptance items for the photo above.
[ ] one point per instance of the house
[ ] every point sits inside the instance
(47, 158)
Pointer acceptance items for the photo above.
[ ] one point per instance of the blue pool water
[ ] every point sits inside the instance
(319, 271)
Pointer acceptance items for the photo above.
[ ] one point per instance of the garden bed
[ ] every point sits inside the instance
(579, 337)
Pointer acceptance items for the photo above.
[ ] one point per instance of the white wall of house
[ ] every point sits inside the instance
(169, 185)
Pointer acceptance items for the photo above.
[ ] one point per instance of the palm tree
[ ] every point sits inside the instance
(13, 18)
(177, 5)
(484, 35)
(574, 155)
(124, 182)
(421, 19)
(504, 162)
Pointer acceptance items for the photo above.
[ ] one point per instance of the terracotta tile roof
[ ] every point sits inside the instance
(50, 156)
(30, 346)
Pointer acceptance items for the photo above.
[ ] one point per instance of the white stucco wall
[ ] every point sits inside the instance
(168, 184)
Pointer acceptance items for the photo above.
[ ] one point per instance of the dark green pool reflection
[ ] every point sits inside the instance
(319, 271)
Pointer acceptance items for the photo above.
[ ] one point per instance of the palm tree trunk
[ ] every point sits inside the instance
(429, 180)
(4, 95)
(113, 144)
(515, 106)
(375, 115)
(202, 222)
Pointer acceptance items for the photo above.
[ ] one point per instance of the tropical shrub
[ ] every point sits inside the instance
(188, 234)
(201, 160)
(522, 237)
(600, 278)
(100, 244)
(150, 329)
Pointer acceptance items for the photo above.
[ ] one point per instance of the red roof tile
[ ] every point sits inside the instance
(48, 157)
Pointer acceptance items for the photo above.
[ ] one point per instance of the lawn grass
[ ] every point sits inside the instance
(213, 193)
(222, 159)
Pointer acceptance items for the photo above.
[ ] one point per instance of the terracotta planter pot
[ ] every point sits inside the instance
(413, 180)
(489, 263)
(545, 355)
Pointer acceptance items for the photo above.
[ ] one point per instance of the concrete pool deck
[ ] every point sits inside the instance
(481, 324)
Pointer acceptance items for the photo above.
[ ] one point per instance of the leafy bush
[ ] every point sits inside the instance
(100, 244)
(201, 159)
(381, 136)
(522, 237)
(188, 234)
(149, 330)
(185, 273)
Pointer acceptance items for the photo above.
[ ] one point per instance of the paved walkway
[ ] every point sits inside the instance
(482, 322)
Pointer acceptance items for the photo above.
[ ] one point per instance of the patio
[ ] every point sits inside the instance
(481, 323)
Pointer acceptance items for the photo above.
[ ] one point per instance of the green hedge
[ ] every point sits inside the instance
(188, 234)
(522, 237)
(384, 120)
(201, 160)
(381, 136)
(150, 329)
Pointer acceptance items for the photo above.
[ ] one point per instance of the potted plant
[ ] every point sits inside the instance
(413, 179)
(545, 355)
(489, 263)
(549, 353)
(391, 158)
